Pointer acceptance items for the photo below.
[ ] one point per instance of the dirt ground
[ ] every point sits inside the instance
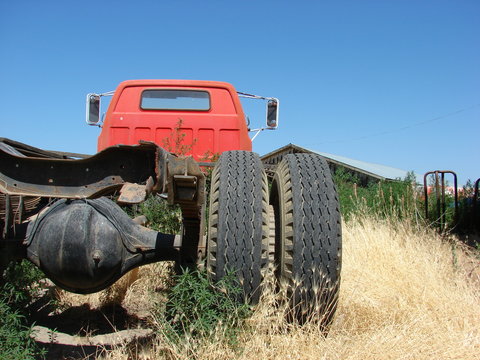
(84, 327)
(72, 326)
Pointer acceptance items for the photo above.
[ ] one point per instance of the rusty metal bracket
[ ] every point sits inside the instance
(185, 175)
(440, 195)
(186, 187)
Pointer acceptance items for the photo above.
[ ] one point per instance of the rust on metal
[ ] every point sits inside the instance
(20, 149)
(105, 172)
(185, 183)
(132, 194)
(183, 174)
(130, 171)
(185, 187)
(20, 205)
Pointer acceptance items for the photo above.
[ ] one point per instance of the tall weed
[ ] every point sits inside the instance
(200, 308)
(160, 215)
(385, 199)
(20, 285)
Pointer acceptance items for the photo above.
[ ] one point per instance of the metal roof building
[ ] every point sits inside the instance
(365, 171)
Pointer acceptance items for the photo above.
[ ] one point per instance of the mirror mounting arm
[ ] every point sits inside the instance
(258, 131)
(272, 109)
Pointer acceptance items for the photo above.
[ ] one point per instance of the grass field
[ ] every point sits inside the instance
(405, 294)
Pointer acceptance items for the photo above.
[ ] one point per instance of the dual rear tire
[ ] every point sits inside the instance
(306, 244)
(238, 221)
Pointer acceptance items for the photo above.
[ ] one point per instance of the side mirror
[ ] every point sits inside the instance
(272, 113)
(93, 109)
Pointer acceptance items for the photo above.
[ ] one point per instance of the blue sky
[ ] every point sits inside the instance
(390, 82)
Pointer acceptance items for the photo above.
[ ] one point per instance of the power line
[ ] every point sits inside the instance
(386, 132)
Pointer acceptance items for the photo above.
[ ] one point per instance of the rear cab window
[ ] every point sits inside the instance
(173, 99)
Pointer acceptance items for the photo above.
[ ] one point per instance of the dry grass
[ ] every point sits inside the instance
(403, 296)
(137, 291)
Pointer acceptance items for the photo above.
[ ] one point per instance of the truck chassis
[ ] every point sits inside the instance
(61, 212)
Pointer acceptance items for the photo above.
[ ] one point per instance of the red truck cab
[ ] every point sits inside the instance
(205, 116)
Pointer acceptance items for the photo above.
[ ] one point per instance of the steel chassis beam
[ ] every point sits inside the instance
(131, 171)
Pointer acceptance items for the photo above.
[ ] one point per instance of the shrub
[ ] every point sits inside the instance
(161, 216)
(19, 288)
(15, 340)
(199, 308)
(385, 199)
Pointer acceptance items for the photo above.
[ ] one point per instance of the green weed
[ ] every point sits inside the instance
(15, 340)
(385, 199)
(200, 308)
(160, 216)
(19, 288)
